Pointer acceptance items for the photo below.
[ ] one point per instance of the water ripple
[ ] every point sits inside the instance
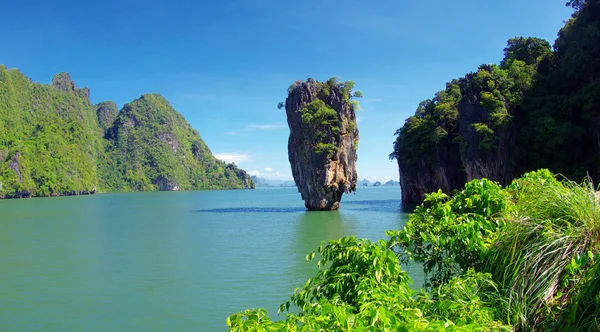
(251, 209)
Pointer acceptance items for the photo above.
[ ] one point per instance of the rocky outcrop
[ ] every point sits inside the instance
(472, 150)
(63, 82)
(323, 141)
(165, 184)
(14, 166)
(106, 112)
(247, 181)
(443, 172)
(483, 159)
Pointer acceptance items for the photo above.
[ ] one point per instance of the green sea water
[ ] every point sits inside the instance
(168, 261)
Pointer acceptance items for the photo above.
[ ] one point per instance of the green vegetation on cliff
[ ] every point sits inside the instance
(495, 259)
(49, 137)
(150, 146)
(323, 121)
(53, 141)
(540, 107)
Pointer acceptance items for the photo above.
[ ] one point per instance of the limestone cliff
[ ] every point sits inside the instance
(155, 148)
(107, 112)
(454, 138)
(323, 141)
(443, 171)
(468, 130)
(483, 157)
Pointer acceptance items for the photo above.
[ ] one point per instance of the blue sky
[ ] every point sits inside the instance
(226, 64)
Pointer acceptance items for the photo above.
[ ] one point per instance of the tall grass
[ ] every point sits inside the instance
(554, 223)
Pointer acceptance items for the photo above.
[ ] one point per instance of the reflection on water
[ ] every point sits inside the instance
(312, 228)
(255, 209)
(387, 206)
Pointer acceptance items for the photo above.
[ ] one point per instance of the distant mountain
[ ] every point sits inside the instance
(54, 142)
(367, 183)
(262, 182)
(156, 148)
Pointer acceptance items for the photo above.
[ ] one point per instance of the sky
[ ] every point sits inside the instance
(226, 64)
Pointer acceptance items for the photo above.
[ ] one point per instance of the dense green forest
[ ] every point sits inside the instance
(540, 107)
(53, 141)
(150, 146)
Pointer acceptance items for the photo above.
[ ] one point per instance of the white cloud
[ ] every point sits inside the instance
(269, 174)
(266, 126)
(233, 157)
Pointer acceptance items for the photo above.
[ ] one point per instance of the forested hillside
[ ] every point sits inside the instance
(150, 146)
(49, 137)
(53, 141)
(538, 108)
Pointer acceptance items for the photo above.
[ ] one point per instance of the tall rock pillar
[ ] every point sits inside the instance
(323, 140)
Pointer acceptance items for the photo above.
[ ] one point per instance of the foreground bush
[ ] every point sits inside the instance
(361, 287)
(523, 257)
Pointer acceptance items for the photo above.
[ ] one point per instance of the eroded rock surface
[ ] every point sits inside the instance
(323, 141)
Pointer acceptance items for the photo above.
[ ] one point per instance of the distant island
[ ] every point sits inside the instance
(367, 183)
(262, 182)
(54, 142)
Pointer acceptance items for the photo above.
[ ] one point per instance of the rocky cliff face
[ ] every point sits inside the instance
(468, 131)
(443, 172)
(107, 112)
(481, 158)
(63, 82)
(446, 155)
(323, 141)
(157, 149)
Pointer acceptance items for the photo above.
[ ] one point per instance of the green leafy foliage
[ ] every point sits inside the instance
(524, 257)
(559, 118)
(449, 235)
(434, 124)
(538, 255)
(324, 122)
(361, 287)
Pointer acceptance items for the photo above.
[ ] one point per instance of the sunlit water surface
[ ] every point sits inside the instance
(177, 261)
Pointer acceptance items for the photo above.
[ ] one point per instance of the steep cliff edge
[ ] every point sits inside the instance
(539, 108)
(467, 131)
(485, 138)
(323, 140)
(49, 137)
